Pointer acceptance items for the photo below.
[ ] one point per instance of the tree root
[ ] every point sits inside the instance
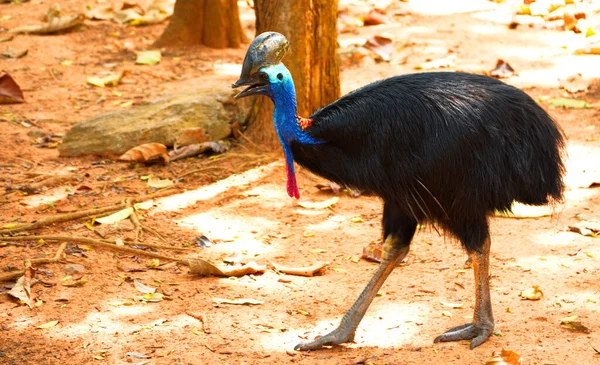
(49, 260)
(60, 218)
(135, 243)
(93, 242)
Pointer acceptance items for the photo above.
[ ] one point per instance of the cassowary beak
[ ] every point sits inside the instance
(265, 50)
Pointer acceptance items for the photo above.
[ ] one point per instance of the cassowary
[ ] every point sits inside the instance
(446, 148)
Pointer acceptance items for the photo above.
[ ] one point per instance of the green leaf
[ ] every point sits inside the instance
(47, 325)
(148, 57)
(116, 217)
(569, 103)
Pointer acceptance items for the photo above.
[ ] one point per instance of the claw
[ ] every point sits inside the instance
(468, 331)
(334, 337)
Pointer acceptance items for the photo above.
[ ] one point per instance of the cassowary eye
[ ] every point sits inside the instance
(280, 76)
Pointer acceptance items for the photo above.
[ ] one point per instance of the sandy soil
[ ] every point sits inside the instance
(244, 210)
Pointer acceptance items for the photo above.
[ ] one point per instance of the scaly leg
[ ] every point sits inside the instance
(483, 320)
(395, 249)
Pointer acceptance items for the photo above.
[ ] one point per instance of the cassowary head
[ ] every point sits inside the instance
(262, 71)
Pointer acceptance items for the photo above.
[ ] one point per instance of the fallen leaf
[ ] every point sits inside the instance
(47, 325)
(381, 46)
(319, 205)
(520, 211)
(357, 220)
(502, 70)
(13, 53)
(54, 25)
(505, 357)
(569, 103)
(533, 293)
(241, 301)
(151, 57)
(205, 268)
(103, 12)
(159, 184)
(151, 17)
(582, 231)
(150, 297)
(446, 314)
(375, 17)
(445, 62)
(10, 92)
(143, 288)
(153, 264)
(22, 288)
(111, 79)
(146, 152)
(144, 205)
(137, 355)
(452, 305)
(590, 49)
(574, 83)
(301, 271)
(76, 283)
(572, 324)
(116, 217)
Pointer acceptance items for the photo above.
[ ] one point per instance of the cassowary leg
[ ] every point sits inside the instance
(483, 320)
(395, 249)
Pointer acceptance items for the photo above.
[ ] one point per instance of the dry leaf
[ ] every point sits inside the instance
(54, 25)
(533, 293)
(144, 205)
(76, 283)
(301, 271)
(505, 357)
(375, 17)
(591, 49)
(452, 305)
(570, 323)
(151, 57)
(502, 70)
(47, 325)
(582, 231)
(159, 184)
(150, 297)
(103, 12)
(446, 314)
(198, 148)
(381, 46)
(241, 301)
(116, 217)
(22, 288)
(574, 83)
(151, 17)
(110, 80)
(205, 268)
(146, 152)
(10, 92)
(319, 205)
(143, 288)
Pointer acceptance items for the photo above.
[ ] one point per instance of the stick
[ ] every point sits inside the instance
(132, 243)
(93, 242)
(83, 214)
(18, 274)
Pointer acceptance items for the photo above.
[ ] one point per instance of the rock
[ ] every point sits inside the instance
(159, 121)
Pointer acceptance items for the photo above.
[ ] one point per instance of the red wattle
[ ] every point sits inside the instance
(292, 186)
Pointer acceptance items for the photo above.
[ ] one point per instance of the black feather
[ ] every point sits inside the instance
(443, 147)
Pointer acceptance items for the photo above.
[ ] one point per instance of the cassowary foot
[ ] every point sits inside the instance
(479, 334)
(335, 337)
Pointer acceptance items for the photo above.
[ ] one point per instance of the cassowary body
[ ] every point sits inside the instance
(441, 147)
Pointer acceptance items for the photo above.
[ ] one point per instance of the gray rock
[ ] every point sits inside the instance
(157, 121)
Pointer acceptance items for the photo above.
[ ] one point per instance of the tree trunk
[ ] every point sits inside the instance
(214, 23)
(310, 26)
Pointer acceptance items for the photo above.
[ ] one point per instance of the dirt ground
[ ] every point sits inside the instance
(242, 207)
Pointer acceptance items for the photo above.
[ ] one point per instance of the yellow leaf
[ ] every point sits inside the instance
(357, 220)
(47, 325)
(66, 62)
(446, 314)
(10, 225)
(534, 293)
(116, 217)
(318, 250)
(151, 57)
(452, 305)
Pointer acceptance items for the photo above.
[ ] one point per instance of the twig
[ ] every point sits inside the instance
(136, 223)
(86, 213)
(201, 170)
(93, 242)
(45, 260)
(153, 245)
(202, 318)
